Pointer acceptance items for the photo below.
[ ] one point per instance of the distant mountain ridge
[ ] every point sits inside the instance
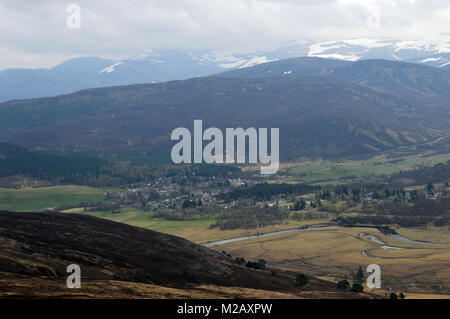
(393, 76)
(371, 106)
(90, 72)
(165, 65)
(432, 51)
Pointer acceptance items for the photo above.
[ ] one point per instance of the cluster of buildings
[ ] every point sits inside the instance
(172, 193)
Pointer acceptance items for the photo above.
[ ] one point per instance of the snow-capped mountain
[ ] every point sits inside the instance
(164, 65)
(433, 51)
(146, 67)
(158, 66)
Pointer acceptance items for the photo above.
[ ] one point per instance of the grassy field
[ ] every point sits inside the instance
(337, 251)
(323, 172)
(435, 235)
(196, 230)
(35, 199)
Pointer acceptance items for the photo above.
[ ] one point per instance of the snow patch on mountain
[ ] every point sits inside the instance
(144, 55)
(141, 56)
(110, 68)
(368, 43)
(438, 43)
(147, 56)
(349, 50)
(230, 61)
(223, 60)
(336, 56)
(432, 51)
(317, 48)
(431, 60)
(255, 60)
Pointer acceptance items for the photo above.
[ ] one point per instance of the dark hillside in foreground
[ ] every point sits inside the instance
(42, 245)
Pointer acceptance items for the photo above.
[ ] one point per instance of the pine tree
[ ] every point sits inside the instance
(430, 188)
(360, 275)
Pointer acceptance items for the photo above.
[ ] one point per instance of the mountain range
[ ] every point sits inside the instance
(165, 65)
(323, 107)
(396, 77)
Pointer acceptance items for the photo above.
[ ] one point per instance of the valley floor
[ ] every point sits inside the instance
(421, 271)
(334, 253)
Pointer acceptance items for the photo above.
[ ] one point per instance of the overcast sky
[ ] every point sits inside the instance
(34, 33)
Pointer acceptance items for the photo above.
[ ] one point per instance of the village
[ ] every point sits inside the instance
(168, 193)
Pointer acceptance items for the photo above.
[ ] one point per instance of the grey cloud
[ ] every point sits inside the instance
(33, 33)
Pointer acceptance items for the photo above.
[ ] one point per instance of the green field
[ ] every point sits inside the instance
(147, 220)
(36, 199)
(322, 172)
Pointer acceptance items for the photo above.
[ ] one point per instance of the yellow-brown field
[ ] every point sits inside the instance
(197, 231)
(331, 253)
(435, 235)
(335, 252)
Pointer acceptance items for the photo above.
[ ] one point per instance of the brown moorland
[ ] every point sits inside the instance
(123, 261)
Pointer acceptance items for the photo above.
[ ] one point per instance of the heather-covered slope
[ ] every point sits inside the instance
(316, 116)
(37, 247)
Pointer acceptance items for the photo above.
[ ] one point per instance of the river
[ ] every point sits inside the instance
(232, 240)
(412, 241)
